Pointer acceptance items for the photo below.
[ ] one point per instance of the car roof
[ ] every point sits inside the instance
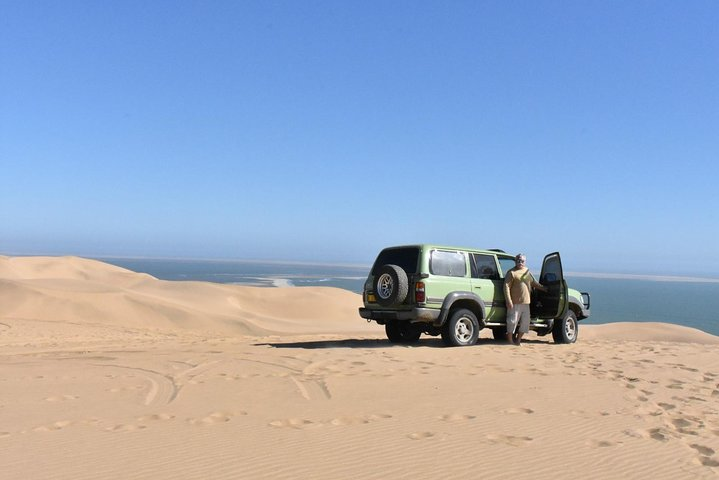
(432, 246)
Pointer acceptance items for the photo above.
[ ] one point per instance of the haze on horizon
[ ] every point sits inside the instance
(323, 132)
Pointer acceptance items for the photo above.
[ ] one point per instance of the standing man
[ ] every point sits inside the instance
(518, 285)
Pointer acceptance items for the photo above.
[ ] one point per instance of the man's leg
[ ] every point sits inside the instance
(522, 323)
(511, 323)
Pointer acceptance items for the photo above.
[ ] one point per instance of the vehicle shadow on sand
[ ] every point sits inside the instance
(346, 343)
(384, 343)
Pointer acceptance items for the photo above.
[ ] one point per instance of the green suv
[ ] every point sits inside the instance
(455, 292)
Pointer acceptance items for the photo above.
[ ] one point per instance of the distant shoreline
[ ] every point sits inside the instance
(299, 263)
(653, 278)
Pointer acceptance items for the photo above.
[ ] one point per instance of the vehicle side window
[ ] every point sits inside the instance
(506, 264)
(449, 264)
(484, 266)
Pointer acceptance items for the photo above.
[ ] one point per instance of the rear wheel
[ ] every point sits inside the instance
(566, 329)
(461, 329)
(402, 332)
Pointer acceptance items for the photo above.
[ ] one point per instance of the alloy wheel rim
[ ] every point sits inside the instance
(464, 330)
(570, 329)
(385, 286)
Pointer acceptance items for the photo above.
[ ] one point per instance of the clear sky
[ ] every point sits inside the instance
(326, 130)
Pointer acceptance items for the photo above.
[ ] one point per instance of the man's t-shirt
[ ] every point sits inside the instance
(518, 285)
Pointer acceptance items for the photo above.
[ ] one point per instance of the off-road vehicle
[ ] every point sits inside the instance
(455, 292)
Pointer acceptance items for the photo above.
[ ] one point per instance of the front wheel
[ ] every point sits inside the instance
(566, 329)
(461, 329)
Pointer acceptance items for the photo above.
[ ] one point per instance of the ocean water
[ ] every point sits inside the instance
(693, 304)
(267, 274)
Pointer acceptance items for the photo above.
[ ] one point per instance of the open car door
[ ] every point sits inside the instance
(553, 303)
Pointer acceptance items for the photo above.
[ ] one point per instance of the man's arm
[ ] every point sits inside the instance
(539, 286)
(507, 294)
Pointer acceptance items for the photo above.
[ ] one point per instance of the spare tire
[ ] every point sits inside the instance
(391, 285)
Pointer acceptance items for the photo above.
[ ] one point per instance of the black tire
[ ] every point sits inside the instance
(499, 333)
(402, 332)
(566, 329)
(462, 329)
(391, 285)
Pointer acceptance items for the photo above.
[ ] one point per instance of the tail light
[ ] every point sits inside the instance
(419, 296)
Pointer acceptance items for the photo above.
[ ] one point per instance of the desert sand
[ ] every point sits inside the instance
(110, 374)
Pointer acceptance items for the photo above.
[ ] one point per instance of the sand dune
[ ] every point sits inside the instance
(107, 373)
(79, 290)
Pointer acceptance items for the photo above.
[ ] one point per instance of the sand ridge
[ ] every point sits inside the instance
(105, 373)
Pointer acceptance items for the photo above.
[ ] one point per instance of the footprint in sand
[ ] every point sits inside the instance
(682, 425)
(420, 435)
(681, 422)
(61, 398)
(214, 418)
(125, 428)
(634, 433)
(344, 421)
(511, 440)
(601, 443)
(4, 434)
(155, 417)
(706, 451)
(707, 461)
(295, 423)
(658, 434)
(456, 417)
(511, 411)
(53, 426)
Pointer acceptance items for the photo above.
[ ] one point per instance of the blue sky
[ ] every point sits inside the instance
(325, 130)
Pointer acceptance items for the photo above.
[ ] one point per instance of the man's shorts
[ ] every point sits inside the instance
(518, 314)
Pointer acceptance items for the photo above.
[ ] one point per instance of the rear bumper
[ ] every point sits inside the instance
(429, 315)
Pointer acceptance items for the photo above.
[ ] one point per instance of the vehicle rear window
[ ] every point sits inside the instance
(449, 264)
(405, 258)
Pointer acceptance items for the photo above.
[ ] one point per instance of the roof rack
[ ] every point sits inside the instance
(499, 250)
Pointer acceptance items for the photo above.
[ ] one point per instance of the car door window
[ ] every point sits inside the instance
(551, 270)
(484, 266)
(506, 263)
